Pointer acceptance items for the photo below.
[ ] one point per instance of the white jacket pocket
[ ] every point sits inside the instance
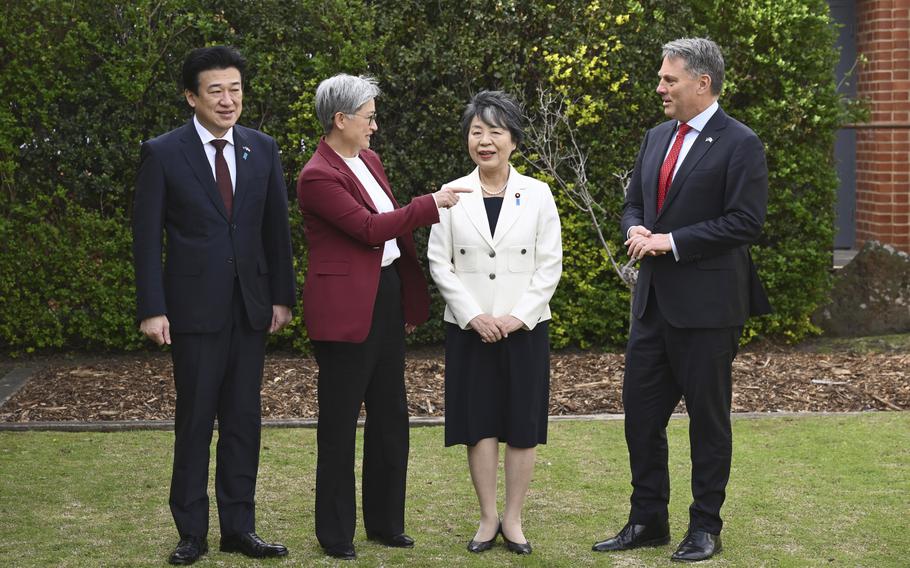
(465, 258)
(521, 258)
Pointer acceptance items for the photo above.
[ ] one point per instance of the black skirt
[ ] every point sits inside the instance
(497, 390)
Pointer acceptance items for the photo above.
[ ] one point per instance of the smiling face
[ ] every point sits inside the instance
(219, 101)
(489, 146)
(684, 95)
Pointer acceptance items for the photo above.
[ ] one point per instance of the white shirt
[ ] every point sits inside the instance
(380, 199)
(210, 150)
(698, 124)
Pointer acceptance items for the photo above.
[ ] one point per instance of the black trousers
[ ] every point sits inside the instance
(217, 375)
(351, 374)
(663, 364)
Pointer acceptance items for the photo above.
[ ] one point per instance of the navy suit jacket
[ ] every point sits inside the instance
(715, 208)
(206, 250)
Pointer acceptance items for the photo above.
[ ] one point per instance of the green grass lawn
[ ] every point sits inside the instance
(818, 491)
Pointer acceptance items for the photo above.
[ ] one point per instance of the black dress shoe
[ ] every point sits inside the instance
(478, 546)
(398, 541)
(342, 551)
(188, 550)
(636, 536)
(696, 546)
(249, 544)
(516, 547)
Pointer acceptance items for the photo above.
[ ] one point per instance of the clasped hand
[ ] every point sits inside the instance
(493, 329)
(642, 242)
(448, 196)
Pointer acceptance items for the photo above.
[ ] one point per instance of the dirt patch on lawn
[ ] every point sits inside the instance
(141, 387)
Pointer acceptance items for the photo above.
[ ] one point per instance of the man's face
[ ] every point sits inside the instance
(219, 101)
(684, 95)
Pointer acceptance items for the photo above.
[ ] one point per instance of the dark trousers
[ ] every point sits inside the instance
(217, 375)
(351, 374)
(663, 364)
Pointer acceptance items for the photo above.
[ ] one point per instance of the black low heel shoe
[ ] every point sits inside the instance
(517, 548)
(478, 546)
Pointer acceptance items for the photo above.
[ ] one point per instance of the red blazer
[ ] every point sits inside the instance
(345, 234)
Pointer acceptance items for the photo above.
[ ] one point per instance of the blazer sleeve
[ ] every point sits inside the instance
(325, 196)
(276, 236)
(633, 208)
(148, 225)
(548, 264)
(745, 205)
(439, 253)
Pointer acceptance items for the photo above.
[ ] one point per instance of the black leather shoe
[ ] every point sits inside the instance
(342, 551)
(398, 541)
(636, 536)
(516, 547)
(696, 546)
(249, 544)
(188, 550)
(478, 546)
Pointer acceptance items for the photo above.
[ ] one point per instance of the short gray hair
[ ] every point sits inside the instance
(343, 93)
(702, 57)
(495, 108)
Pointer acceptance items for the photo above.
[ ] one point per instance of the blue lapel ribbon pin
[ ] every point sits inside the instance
(517, 199)
(246, 152)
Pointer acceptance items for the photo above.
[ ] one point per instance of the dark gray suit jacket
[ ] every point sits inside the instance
(715, 208)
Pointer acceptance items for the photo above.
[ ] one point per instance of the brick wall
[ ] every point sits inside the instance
(883, 144)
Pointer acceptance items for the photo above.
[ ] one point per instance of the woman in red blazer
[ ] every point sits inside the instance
(364, 290)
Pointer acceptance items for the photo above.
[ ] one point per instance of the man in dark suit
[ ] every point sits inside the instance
(218, 192)
(696, 201)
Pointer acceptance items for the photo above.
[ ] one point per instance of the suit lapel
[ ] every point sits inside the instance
(511, 209)
(706, 140)
(475, 209)
(379, 177)
(334, 160)
(242, 151)
(199, 163)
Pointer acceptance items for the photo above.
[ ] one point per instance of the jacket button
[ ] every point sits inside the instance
(523, 251)
(492, 277)
(461, 251)
(492, 253)
(230, 260)
(233, 226)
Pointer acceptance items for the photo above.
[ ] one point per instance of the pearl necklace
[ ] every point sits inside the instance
(494, 193)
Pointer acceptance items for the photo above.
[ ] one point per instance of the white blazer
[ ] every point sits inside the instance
(515, 272)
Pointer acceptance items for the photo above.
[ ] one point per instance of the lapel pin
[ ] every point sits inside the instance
(246, 152)
(709, 140)
(517, 199)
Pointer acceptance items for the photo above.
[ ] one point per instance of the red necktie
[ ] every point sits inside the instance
(666, 170)
(223, 176)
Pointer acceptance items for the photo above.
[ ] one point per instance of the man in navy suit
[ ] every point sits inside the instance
(217, 191)
(696, 201)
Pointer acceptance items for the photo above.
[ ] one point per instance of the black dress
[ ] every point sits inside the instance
(497, 390)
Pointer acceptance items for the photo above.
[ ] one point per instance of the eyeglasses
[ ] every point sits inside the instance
(371, 118)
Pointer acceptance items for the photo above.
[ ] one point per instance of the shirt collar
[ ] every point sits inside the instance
(700, 120)
(207, 136)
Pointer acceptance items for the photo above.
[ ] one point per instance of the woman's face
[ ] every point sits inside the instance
(489, 146)
(358, 127)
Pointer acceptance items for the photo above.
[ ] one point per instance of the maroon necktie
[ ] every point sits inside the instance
(666, 170)
(223, 176)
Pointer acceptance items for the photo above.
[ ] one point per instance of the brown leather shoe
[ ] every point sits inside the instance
(636, 536)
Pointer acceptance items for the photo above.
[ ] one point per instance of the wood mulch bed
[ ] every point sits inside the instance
(140, 386)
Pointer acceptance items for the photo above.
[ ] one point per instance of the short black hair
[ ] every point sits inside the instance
(495, 108)
(206, 58)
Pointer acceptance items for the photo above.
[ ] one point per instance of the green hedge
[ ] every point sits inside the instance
(84, 82)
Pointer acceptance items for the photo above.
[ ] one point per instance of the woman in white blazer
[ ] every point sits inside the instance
(496, 258)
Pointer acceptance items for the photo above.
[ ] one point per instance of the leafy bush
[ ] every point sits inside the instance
(84, 82)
